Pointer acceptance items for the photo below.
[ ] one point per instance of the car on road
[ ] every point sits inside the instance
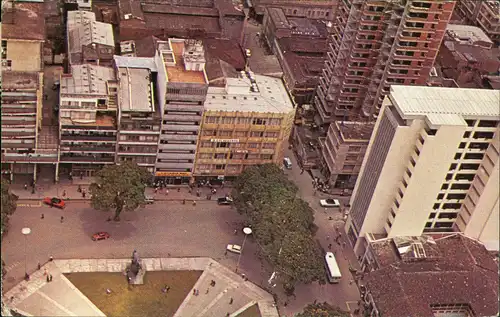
(224, 200)
(54, 202)
(234, 248)
(149, 200)
(100, 236)
(329, 203)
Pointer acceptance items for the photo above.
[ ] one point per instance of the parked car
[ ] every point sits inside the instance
(287, 162)
(54, 202)
(328, 203)
(56, 85)
(149, 200)
(234, 248)
(224, 200)
(100, 236)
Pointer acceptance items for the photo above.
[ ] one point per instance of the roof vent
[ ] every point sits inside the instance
(127, 16)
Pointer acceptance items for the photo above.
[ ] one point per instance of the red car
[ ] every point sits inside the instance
(54, 202)
(100, 236)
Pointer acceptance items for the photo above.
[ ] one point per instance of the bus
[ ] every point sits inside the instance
(332, 268)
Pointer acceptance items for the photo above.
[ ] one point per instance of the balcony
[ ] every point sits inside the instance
(74, 137)
(29, 158)
(178, 127)
(174, 166)
(182, 147)
(176, 156)
(96, 148)
(94, 159)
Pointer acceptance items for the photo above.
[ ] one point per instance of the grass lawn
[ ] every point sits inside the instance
(136, 300)
(252, 311)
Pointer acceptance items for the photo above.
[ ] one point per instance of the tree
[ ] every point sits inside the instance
(9, 204)
(322, 310)
(282, 223)
(119, 187)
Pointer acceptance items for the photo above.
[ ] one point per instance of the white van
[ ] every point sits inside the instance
(287, 162)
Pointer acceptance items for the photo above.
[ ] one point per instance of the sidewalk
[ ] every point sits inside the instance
(69, 191)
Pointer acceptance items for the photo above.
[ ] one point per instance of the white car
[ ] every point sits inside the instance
(329, 203)
(234, 248)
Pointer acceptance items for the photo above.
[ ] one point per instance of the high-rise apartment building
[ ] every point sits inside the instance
(483, 13)
(182, 89)
(432, 165)
(245, 123)
(377, 44)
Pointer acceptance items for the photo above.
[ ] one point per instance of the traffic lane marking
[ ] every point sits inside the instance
(39, 204)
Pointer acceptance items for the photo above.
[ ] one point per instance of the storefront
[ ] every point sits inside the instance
(173, 178)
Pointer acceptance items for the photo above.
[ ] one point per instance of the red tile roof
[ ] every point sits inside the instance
(463, 273)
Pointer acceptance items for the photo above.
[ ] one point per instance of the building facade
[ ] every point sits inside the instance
(182, 89)
(245, 123)
(433, 150)
(320, 10)
(342, 153)
(139, 117)
(484, 13)
(87, 119)
(377, 44)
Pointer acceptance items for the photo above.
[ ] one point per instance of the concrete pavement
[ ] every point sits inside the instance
(230, 295)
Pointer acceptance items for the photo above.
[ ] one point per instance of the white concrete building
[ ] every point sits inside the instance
(431, 166)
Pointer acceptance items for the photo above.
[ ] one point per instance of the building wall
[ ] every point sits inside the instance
(26, 56)
(248, 143)
(483, 14)
(324, 10)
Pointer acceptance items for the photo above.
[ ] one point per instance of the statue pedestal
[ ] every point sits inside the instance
(139, 278)
(135, 274)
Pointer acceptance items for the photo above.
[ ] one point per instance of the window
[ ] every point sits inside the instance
(448, 215)
(449, 176)
(432, 215)
(466, 134)
(466, 166)
(354, 148)
(351, 157)
(470, 123)
(269, 145)
(4, 49)
(487, 123)
(428, 224)
(436, 206)
(220, 166)
(458, 156)
(440, 196)
(452, 206)
(253, 145)
(468, 177)
(455, 196)
(220, 156)
(212, 119)
(474, 156)
(267, 156)
(259, 122)
(444, 186)
(460, 186)
(257, 134)
(462, 145)
(453, 166)
(222, 144)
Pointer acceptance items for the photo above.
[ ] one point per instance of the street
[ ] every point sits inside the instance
(170, 228)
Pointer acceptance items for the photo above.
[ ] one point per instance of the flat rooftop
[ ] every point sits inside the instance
(24, 21)
(467, 33)
(87, 80)
(445, 106)
(177, 72)
(19, 80)
(455, 270)
(135, 90)
(355, 130)
(238, 96)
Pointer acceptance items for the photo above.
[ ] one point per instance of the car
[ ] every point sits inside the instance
(100, 236)
(54, 202)
(234, 248)
(329, 203)
(149, 200)
(56, 85)
(287, 162)
(224, 200)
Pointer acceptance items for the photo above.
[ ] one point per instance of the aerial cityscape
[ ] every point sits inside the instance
(250, 158)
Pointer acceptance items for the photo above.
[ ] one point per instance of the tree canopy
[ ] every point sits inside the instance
(119, 187)
(322, 310)
(282, 223)
(9, 204)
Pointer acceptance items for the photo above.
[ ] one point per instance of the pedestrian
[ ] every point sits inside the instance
(183, 201)
(197, 292)
(207, 291)
(25, 186)
(190, 190)
(70, 176)
(108, 291)
(301, 171)
(156, 190)
(33, 190)
(343, 245)
(84, 193)
(327, 237)
(166, 192)
(50, 278)
(330, 246)
(39, 265)
(79, 189)
(167, 288)
(198, 193)
(43, 216)
(51, 258)
(235, 232)
(222, 185)
(62, 219)
(45, 271)
(81, 175)
(179, 190)
(225, 252)
(231, 301)
(314, 192)
(194, 202)
(64, 194)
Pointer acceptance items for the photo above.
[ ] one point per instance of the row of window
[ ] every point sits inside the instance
(241, 134)
(208, 144)
(236, 156)
(242, 120)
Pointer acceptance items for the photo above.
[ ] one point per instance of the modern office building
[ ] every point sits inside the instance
(377, 44)
(182, 88)
(483, 13)
(88, 101)
(247, 122)
(139, 117)
(432, 165)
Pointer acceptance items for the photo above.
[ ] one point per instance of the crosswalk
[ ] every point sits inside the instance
(12, 266)
(32, 205)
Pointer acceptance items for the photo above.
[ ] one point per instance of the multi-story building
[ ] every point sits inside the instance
(300, 44)
(89, 41)
(182, 89)
(87, 119)
(467, 55)
(432, 165)
(247, 122)
(342, 152)
(377, 44)
(78, 5)
(483, 13)
(313, 9)
(139, 117)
